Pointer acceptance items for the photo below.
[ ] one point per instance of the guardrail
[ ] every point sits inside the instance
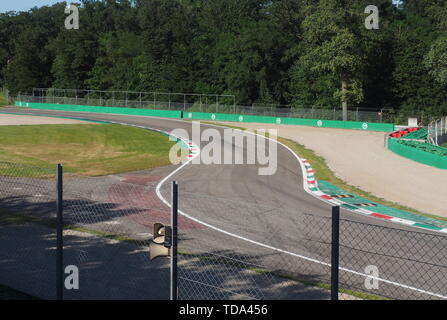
(420, 152)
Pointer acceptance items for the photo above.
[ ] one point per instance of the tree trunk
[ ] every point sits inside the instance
(344, 98)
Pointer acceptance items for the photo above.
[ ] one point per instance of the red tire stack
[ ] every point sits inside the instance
(400, 134)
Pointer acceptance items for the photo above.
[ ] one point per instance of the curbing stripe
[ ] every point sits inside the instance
(311, 186)
(381, 216)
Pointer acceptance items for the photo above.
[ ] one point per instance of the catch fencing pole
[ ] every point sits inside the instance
(174, 221)
(59, 236)
(335, 252)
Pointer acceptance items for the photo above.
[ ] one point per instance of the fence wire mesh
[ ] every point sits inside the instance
(390, 263)
(108, 226)
(198, 103)
(227, 249)
(27, 229)
(247, 251)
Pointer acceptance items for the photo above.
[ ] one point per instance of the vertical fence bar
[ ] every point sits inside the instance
(174, 218)
(59, 236)
(335, 252)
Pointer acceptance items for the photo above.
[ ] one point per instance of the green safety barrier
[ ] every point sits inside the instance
(110, 110)
(420, 134)
(210, 116)
(386, 127)
(420, 152)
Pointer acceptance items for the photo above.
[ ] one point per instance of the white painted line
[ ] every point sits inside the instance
(403, 221)
(367, 212)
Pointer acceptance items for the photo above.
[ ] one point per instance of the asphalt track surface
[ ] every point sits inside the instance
(271, 221)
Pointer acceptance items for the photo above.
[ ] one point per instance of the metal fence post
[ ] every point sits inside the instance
(174, 220)
(335, 252)
(59, 235)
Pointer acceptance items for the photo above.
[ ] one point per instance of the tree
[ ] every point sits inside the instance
(436, 60)
(416, 92)
(332, 45)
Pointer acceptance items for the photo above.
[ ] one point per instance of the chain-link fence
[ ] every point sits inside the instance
(227, 249)
(240, 250)
(198, 103)
(386, 262)
(27, 224)
(106, 234)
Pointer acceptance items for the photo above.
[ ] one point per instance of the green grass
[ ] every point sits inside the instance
(322, 172)
(85, 149)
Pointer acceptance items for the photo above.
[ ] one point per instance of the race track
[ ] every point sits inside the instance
(276, 220)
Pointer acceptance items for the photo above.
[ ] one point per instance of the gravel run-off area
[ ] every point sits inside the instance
(361, 159)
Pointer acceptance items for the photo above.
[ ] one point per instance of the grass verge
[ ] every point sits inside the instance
(322, 172)
(84, 149)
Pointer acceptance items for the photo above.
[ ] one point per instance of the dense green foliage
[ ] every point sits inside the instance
(298, 52)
